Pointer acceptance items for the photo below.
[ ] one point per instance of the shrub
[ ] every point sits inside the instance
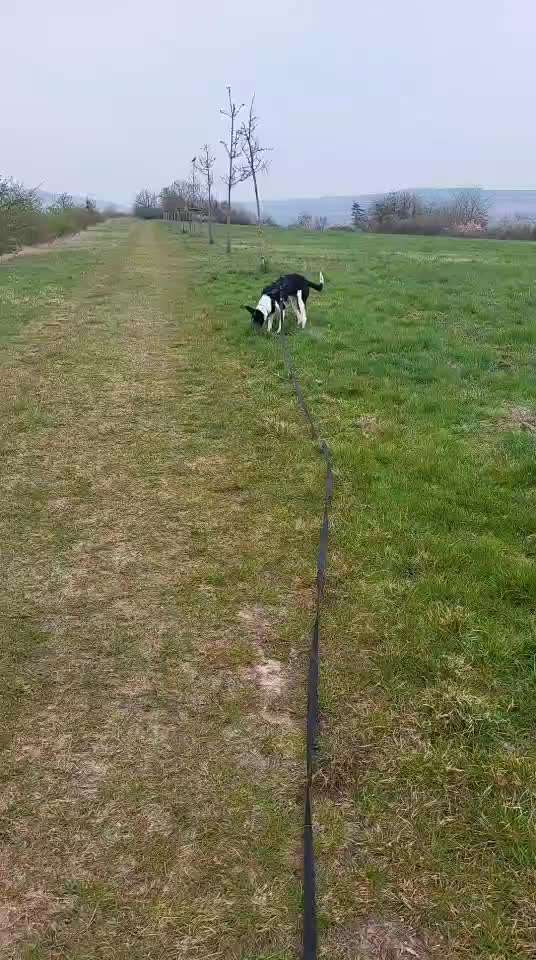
(241, 216)
(111, 211)
(395, 207)
(303, 222)
(466, 215)
(470, 208)
(513, 230)
(24, 222)
(70, 220)
(404, 212)
(472, 228)
(238, 215)
(21, 216)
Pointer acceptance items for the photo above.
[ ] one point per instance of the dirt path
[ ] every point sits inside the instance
(151, 758)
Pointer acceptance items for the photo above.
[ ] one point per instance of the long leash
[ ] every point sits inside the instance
(310, 922)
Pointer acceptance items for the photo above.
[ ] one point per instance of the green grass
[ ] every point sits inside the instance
(160, 529)
(419, 355)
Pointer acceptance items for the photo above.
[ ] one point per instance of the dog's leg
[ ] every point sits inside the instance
(269, 323)
(294, 305)
(301, 305)
(281, 319)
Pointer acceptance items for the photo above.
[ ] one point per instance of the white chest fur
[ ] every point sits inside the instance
(265, 305)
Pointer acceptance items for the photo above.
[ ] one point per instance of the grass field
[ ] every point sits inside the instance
(159, 520)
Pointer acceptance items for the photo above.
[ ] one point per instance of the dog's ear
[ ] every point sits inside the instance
(249, 309)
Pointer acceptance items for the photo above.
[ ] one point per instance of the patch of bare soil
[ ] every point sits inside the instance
(272, 682)
(268, 674)
(369, 425)
(377, 940)
(259, 622)
(519, 418)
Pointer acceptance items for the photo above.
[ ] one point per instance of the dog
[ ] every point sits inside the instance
(274, 300)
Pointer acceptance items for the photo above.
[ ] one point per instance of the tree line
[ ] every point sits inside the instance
(466, 213)
(403, 211)
(178, 201)
(244, 159)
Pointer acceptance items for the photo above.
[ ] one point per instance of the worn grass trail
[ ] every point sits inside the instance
(153, 611)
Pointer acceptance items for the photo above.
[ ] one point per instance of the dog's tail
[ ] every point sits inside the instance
(317, 286)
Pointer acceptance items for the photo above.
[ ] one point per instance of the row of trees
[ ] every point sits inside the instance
(467, 211)
(245, 159)
(24, 220)
(181, 200)
(406, 212)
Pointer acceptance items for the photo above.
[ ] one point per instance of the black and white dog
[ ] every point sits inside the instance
(293, 289)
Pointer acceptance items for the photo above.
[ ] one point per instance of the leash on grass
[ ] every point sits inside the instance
(310, 925)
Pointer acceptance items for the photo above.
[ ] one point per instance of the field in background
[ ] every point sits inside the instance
(160, 520)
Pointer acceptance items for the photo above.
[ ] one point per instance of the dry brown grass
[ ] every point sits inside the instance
(369, 425)
(378, 940)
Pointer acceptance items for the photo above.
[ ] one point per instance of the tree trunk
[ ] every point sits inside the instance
(230, 181)
(229, 219)
(257, 201)
(210, 237)
(264, 262)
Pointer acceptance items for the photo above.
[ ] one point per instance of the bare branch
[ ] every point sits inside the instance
(253, 155)
(204, 164)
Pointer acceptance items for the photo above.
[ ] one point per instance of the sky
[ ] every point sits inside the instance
(109, 96)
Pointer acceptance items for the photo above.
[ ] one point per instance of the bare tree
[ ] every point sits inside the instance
(205, 163)
(470, 205)
(147, 206)
(320, 224)
(64, 201)
(194, 201)
(253, 153)
(172, 201)
(194, 181)
(396, 206)
(305, 221)
(181, 197)
(235, 174)
(407, 205)
(255, 162)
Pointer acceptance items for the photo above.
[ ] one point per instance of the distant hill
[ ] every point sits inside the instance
(503, 203)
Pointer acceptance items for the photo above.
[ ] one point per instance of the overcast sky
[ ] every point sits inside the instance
(107, 96)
